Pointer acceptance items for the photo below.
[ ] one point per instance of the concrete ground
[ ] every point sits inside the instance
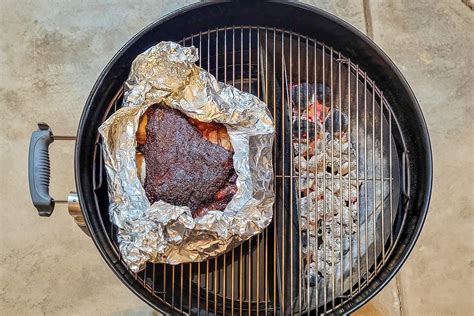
(51, 52)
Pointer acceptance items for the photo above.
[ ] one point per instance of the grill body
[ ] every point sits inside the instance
(244, 44)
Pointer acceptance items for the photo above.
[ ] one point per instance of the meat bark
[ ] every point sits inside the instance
(182, 167)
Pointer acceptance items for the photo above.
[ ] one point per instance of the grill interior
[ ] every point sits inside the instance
(269, 273)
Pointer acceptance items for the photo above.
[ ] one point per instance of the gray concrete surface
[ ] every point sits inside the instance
(51, 52)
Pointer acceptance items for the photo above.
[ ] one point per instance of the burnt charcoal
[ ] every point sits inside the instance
(336, 120)
(323, 94)
(304, 239)
(313, 279)
(320, 240)
(302, 92)
(299, 92)
(305, 128)
(182, 167)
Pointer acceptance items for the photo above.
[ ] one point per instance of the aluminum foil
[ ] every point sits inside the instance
(162, 232)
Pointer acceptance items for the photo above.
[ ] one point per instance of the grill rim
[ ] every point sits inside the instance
(375, 62)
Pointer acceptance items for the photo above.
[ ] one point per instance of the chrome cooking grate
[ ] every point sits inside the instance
(270, 272)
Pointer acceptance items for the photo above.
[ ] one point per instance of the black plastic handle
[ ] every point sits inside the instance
(39, 169)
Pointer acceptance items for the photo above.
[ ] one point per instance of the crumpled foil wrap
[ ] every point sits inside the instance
(162, 232)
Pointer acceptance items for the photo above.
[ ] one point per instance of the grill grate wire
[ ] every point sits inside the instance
(261, 276)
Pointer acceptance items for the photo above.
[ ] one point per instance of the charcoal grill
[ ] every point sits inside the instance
(268, 48)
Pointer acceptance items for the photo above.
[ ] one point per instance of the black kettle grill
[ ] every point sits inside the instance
(267, 48)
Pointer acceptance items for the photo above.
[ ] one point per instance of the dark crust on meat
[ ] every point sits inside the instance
(182, 167)
(221, 199)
